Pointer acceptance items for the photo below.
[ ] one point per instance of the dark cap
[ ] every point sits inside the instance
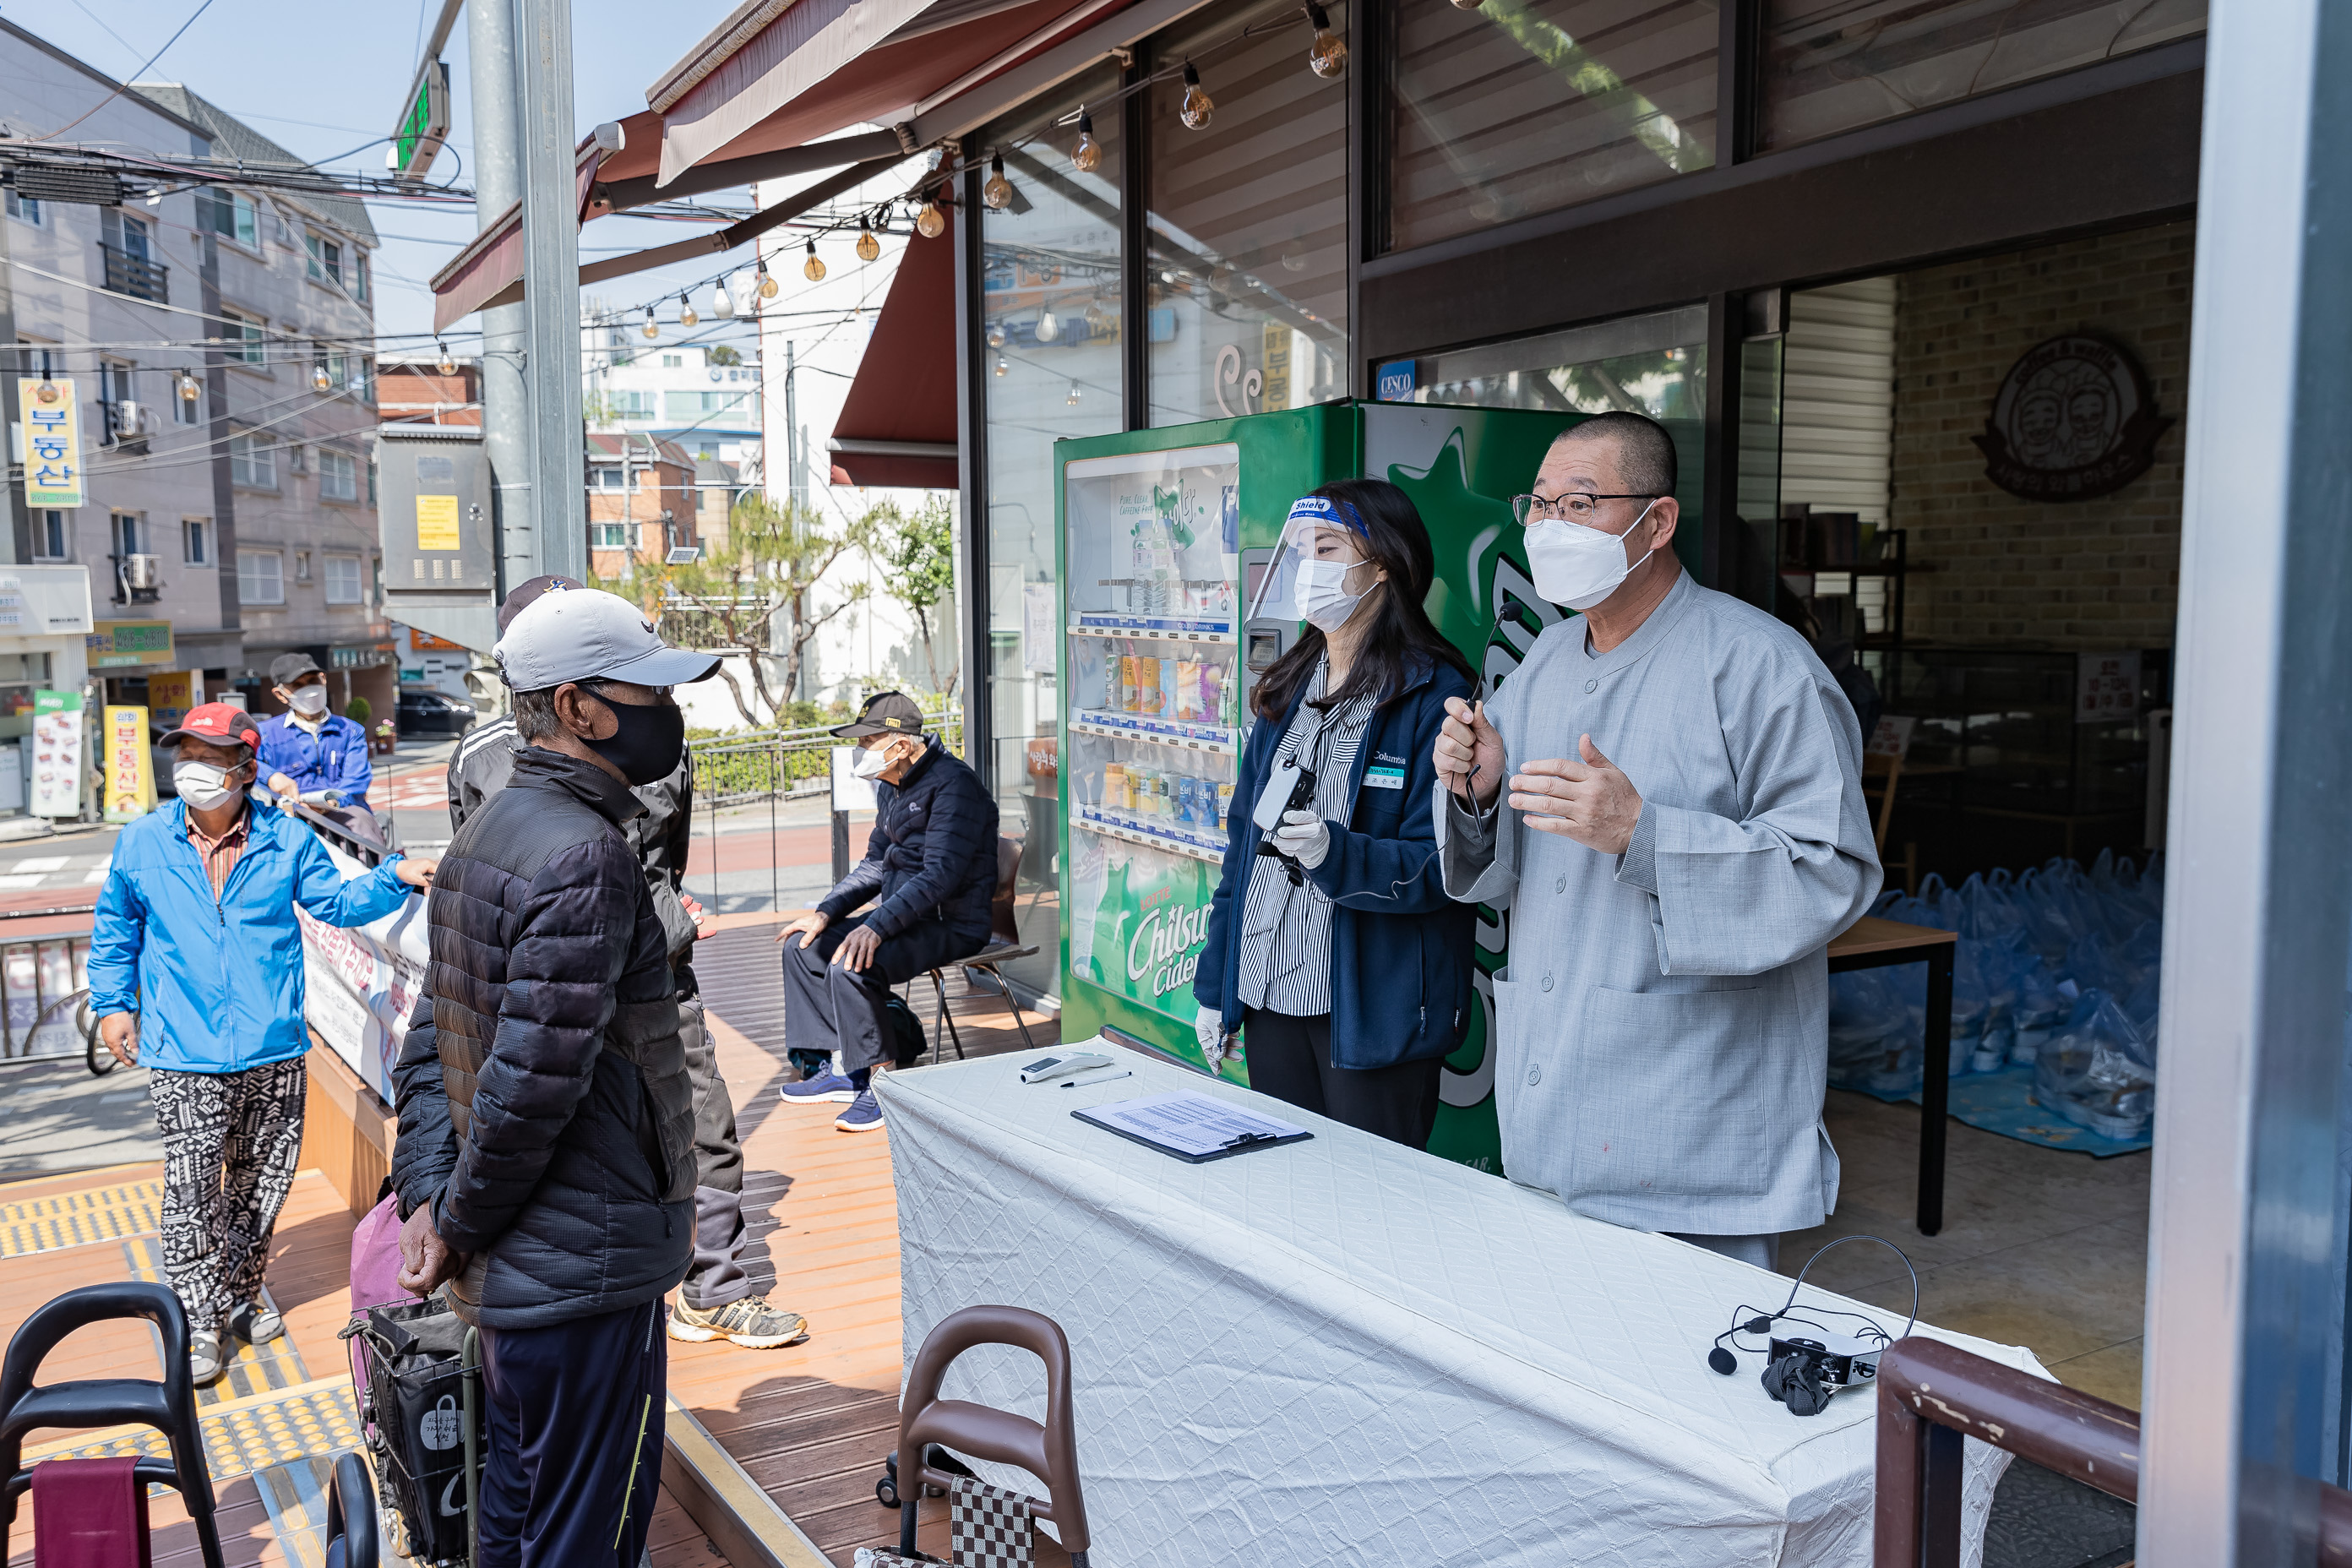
(514, 604)
(884, 714)
(217, 723)
(288, 667)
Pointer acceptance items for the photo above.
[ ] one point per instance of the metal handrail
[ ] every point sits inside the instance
(1933, 1396)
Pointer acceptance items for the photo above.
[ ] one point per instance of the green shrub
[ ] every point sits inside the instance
(358, 711)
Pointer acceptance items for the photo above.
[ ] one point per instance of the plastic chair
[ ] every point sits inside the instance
(1049, 1451)
(169, 1406)
(351, 1541)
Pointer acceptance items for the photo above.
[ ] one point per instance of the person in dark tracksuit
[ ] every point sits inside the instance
(545, 1163)
(716, 1300)
(931, 872)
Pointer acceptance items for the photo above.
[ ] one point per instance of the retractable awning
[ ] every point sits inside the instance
(897, 425)
(492, 260)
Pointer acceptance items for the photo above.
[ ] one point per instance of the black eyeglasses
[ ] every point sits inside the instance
(1574, 507)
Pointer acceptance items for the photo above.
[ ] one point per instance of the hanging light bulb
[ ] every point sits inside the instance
(1073, 399)
(723, 301)
(448, 366)
(1049, 327)
(1467, 4)
(319, 380)
(686, 315)
(812, 269)
(1001, 367)
(998, 192)
(996, 334)
(931, 223)
(1087, 156)
(1326, 56)
(869, 248)
(1197, 103)
(190, 388)
(652, 327)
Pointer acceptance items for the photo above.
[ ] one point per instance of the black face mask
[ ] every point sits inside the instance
(649, 742)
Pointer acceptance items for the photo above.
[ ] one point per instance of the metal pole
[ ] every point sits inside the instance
(17, 537)
(795, 478)
(2246, 1254)
(551, 306)
(498, 185)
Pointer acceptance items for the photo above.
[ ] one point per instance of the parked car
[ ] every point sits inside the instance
(424, 712)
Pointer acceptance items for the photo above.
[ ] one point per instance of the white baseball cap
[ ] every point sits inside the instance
(586, 633)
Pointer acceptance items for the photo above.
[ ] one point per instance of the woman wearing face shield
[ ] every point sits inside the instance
(1332, 948)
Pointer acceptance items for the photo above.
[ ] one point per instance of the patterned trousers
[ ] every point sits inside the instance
(230, 1144)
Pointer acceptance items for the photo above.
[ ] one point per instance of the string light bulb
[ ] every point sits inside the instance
(869, 248)
(1198, 105)
(652, 327)
(319, 380)
(1467, 4)
(1001, 367)
(1326, 56)
(996, 334)
(190, 389)
(1049, 327)
(1087, 156)
(931, 223)
(998, 192)
(814, 267)
(768, 287)
(1073, 399)
(686, 315)
(448, 365)
(723, 301)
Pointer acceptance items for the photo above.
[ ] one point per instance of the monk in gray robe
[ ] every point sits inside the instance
(1667, 798)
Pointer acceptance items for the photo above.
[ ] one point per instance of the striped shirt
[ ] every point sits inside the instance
(1285, 928)
(220, 855)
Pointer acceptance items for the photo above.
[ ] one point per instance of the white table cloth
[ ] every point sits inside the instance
(1343, 1351)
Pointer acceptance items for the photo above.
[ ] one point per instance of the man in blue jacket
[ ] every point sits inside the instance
(931, 872)
(196, 947)
(306, 748)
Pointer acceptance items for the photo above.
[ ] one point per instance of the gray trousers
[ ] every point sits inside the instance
(716, 1275)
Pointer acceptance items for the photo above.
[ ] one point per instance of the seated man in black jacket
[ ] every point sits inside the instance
(546, 1150)
(930, 870)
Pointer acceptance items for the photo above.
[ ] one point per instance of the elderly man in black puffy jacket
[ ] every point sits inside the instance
(546, 1153)
(930, 873)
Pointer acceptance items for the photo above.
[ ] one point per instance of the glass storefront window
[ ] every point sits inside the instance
(1050, 351)
(1833, 64)
(1248, 285)
(1527, 106)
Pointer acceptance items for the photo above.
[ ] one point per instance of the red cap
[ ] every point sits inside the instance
(217, 723)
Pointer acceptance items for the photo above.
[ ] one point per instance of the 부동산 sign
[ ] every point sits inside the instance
(53, 475)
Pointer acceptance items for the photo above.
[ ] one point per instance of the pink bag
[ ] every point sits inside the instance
(375, 1273)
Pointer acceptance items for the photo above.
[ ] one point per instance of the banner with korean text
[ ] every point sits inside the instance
(53, 475)
(359, 985)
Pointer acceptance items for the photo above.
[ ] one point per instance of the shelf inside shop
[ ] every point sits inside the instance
(1158, 732)
(1152, 628)
(1174, 839)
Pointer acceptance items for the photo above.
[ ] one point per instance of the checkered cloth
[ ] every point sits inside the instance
(989, 1528)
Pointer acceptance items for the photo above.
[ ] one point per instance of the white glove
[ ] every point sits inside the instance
(1304, 836)
(1209, 1029)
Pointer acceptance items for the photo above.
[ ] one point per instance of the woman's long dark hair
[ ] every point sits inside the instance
(1400, 637)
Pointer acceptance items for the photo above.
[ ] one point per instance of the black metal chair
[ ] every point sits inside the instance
(1005, 945)
(169, 1406)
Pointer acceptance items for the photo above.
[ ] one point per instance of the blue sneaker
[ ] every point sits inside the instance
(864, 1115)
(827, 1087)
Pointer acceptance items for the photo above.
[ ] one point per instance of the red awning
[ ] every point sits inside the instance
(492, 260)
(899, 425)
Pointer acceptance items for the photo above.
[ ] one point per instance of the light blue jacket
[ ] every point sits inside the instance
(218, 985)
(336, 758)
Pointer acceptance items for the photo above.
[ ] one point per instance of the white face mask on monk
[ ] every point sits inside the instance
(1576, 565)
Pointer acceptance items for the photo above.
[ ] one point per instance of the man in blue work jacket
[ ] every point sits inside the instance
(195, 947)
(306, 748)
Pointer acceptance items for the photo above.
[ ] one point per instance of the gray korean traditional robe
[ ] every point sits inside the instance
(1664, 1023)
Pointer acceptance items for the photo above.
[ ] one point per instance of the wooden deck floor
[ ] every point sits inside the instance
(811, 1422)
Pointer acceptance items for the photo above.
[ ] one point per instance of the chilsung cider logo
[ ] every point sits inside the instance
(1166, 948)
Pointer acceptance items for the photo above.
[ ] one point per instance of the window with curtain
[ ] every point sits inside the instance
(1527, 106)
(1051, 365)
(260, 578)
(1833, 64)
(343, 582)
(1248, 267)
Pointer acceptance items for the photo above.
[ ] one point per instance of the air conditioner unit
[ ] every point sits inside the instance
(142, 573)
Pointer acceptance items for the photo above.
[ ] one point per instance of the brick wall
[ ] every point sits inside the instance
(2096, 574)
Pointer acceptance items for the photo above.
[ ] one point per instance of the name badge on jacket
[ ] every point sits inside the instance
(1384, 778)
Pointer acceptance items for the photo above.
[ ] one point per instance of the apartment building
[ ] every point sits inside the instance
(641, 502)
(703, 396)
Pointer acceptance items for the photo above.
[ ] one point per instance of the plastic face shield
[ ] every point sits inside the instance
(1318, 530)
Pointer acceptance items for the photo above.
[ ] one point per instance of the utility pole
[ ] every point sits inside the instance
(498, 185)
(792, 474)
(551, 305)
(16, 536)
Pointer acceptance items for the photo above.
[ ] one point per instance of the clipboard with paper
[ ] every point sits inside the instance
(1194, 1127)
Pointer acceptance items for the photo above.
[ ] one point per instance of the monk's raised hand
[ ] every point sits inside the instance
(1585, 797)
(1469, 752)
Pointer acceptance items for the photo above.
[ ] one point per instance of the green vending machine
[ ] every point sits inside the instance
(1164, 536)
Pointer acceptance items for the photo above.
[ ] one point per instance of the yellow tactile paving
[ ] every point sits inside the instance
(76, 1220)
(252, 1369)
(241, 1437)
